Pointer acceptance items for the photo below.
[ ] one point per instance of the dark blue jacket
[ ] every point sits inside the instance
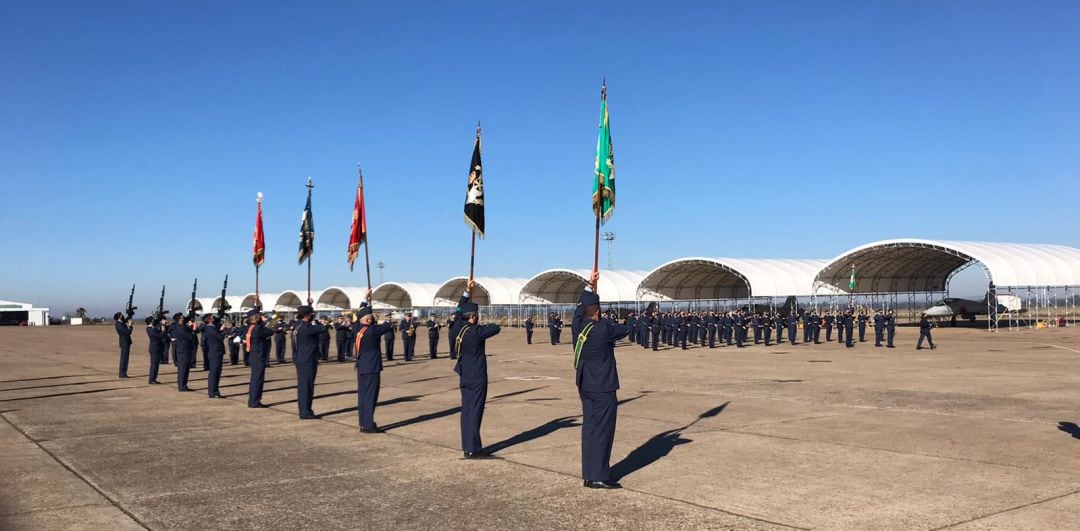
(260, 341)
(184, 338)
(307, 341)
(212, 337)
(596, 370)
(155, 334)
(124, 332)
(369, 358)
(472, 356)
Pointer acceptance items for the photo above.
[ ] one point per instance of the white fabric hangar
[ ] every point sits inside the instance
(248, 302)
(337, 298)
(730, 278)
(403, 295)
(235, 302)
(563, 286)
(489, 291)
(916, 265)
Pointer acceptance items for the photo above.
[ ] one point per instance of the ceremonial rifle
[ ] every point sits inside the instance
(191, 304)
(160, 313)
(131, 309)
(224, 306)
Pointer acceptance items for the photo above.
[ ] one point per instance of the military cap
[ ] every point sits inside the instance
(589, 298)
(470, 307)
(304, 311)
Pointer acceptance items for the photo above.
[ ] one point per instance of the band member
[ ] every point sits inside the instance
(433, 327)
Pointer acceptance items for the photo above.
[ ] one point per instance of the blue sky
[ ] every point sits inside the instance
(134, 135)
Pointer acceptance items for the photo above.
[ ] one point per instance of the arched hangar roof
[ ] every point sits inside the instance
(267, 299)
(489, 291)
(201, 304)
(336, 298)
(911, 264)
(235, 303)
(400, 295)
(563, 286)
(731, 278)
(290, 300)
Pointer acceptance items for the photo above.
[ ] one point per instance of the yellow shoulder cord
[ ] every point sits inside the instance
(581, 343)
(460, 337)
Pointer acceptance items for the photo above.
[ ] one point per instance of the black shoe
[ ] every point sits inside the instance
(310, 417)
(481, 454)
(602, 485)
(933, 347)
(918, 348)
(124, 376)
(185, 390)
(376, 429)
(258, 406)
(216, 396)
(890, 346)
(154, 382)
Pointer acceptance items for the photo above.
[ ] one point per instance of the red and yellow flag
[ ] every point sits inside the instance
(259, 252)
(358, 233)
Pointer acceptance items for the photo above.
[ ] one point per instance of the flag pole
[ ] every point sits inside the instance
(472, 248)
(598, 204)
(258, 305)
(367, 261)
(309, 187)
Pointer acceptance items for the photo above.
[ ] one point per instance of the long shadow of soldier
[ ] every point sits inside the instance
(1070, 428)
(542, 430)
(657, 447)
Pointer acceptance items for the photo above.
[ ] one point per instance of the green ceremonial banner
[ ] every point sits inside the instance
(851, 282)
(603, 198)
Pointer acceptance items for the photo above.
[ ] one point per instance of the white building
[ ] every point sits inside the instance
(22, 313)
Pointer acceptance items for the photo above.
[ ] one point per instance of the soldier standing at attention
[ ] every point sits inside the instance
(232, 338)
(212, 338)
(879, 328)
(472, 373)
(450, 338)
(257, 344)
(290, 332)
(154, 334)
(597, 378)
(551, 327)
(631, 322)
(862, 325)
(924, 332)
(389, 341)
(308, 333)
(529, 330)
(849, 329)
(890, 327)
(829, 320)
(433, 327)
(778, 321)
(368, 364)
(123, 331)
(766, 328)
(793, 327)
(183, 337)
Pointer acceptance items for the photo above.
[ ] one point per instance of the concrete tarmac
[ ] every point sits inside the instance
(978, 434)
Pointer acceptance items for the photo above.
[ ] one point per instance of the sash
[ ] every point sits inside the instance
(359, 337)
(247, 340)
(460, 338)
(581, 343)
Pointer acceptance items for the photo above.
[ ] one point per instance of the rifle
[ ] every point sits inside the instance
(160, 313)
(131, 309)
(224, 306)
(191, 305)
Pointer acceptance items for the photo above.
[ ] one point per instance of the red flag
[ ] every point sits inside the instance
(259, 252)
(358, 233)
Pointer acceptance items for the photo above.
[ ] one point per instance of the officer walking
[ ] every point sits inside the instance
(369, 364)
(597, 378)
(307, 332)
(215, 354)
(123, 332)
(924, 332)
(257, 343)
(471, 368)
(154, 334)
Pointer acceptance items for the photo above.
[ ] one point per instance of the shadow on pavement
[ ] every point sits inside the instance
(657, 447)
(540, 431)
(1070, 428)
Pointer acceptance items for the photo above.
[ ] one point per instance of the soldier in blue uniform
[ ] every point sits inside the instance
(829, 321)
(280, 331)
(849, 329)
(433, 327)
(183, 337)
(793, 327)
(890, 328)
(780, 324)
(368, 364)
(154, 334)
(815, 321)
(257, 341)
(213, 340)
(529, 325)
(307, 332)
(710, 328)
(631, 323)
(766, 328)
(924, 332)
(123, 332)
(725, 328)
(863, 318)
(450, 338)
(407, 327)
(597, 378)
(471, 368)
(389, 338)
(341, 337)
(232, 339)
(558, 329)
(879, 328)
(290, 332)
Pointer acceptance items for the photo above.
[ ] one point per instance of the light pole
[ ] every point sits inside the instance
(380, 265)
(609, 237)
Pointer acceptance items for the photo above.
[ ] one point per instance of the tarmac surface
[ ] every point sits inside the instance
(978, 434)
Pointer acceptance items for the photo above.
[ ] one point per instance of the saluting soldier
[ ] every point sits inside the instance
(450, 338)
(631, 323)
(890, 328)
(529, 330)
(597, 378)
(215, 354)
(123, 332)
(154, 334)
(471, 368)
(280, 331)
(369, 364)
(257, 342)
(341, 337)
(307, 332)
(389, 338)
(433, 327)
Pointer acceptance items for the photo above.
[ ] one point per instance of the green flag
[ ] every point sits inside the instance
(603, 198)
(851, 283)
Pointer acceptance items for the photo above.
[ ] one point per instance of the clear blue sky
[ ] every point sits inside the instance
(134, 135)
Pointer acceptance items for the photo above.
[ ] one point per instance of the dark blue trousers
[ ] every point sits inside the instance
(155, 364)
(849, 337)
(234, 353)
(279, 350)
(367, 391)
(473, 397)
(183, 367)
(305, 385)
(891, 333)
(599, 412)
(389, 346)
(528, 337)
(779, 334)
(125, 354)
(214, 378)
(410, 346)
(924, 334)
(879, 334)
(862, 332)
(793, 331)
(258, 379)
(656, 340)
